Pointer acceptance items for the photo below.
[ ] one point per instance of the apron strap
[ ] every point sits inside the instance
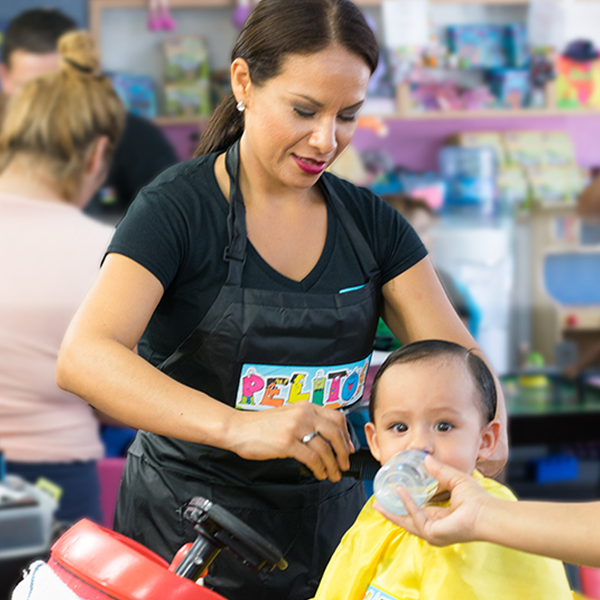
(235, 252)
(363, 251)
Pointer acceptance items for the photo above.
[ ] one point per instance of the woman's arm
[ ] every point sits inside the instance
(97, 362)
(417, 308)
(565, 531)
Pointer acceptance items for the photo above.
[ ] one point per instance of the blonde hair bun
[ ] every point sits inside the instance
(78, 53)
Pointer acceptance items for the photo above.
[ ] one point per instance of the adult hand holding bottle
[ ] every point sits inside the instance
(558, 530)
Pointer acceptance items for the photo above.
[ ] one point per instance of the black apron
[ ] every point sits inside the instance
(255, 349)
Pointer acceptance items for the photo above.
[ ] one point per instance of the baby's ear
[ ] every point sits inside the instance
(371, 435)
(489, 440)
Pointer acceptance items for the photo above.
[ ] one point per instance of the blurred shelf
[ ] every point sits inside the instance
(407, 110)
(488, 114)
(404, 105)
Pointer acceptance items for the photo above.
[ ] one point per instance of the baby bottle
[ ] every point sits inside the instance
(406, 470)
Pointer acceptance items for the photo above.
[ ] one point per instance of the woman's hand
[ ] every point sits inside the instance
(278, 433)
(442, 526)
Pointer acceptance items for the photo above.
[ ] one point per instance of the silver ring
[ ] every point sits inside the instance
(310, 436)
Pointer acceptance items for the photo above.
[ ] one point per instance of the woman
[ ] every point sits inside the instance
(58, 136)
(562, 530)
(253, 280)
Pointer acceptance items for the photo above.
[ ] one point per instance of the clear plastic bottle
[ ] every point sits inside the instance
(406, 470)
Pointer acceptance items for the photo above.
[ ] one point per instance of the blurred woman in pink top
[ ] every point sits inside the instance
(58, 136)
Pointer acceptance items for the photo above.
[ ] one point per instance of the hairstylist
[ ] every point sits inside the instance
(254, 281)
(59, 134)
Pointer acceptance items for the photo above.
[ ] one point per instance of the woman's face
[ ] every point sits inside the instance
(298, 123)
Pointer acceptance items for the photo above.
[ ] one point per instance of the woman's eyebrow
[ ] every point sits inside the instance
(320, 104)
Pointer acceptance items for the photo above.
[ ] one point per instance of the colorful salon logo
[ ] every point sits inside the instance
(266, 386)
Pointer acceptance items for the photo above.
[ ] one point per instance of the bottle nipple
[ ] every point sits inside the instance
(406, 470)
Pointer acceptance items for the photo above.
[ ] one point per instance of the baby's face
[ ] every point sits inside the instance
(433, 406)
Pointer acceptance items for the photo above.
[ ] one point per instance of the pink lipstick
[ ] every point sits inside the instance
(313, 167)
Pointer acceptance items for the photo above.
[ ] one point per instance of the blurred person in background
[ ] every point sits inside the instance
(30, 50)
(588, 209)
(57, 138)
(422, 218)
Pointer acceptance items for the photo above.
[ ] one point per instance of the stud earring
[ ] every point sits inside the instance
(241, 106)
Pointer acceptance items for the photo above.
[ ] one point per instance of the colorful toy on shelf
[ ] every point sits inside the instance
(187, 76)
(188, 100)
(532, 165)
(478, 46)
(524, 148)
(473, 139)
(137, 92)
(511, 87)
(558, 148)
(159, 16)
(516, 45)
(449, 96)
(551, 184)
(427, 186)
(542, 71)
(470, 178)
(534, 362)
(513, 187)
(186, 59)
(577, 83)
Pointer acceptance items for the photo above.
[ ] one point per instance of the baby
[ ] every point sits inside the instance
(440, 398)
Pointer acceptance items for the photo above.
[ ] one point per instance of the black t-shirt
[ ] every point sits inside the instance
(143, 152)
(177, 229)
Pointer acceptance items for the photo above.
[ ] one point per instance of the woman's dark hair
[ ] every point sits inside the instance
(276, 29)
(427, 349)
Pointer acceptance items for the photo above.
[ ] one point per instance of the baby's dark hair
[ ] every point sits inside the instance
(427, 349)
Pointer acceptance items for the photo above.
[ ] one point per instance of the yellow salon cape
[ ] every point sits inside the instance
(377, 560)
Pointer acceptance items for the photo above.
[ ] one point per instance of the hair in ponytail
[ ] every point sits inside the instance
(56, 119)
(226, 125)
(276, 29)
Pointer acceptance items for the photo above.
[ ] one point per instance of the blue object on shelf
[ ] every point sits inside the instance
(387, 183)
(517, 45)
(478, 46)
(557, 467)
(571, 278)
(137, 92)
(512, 87)
(470, 177)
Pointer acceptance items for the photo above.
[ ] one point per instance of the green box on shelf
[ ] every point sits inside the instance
(475, 139)
(525, 148)
(558, 148)
(559, 183)
(513, 185)
(188, 100)
(186, 59)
